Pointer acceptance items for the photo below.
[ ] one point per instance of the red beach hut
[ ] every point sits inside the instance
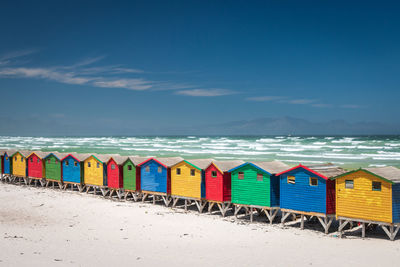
(35, 164)
(115, 174)
(218, 184)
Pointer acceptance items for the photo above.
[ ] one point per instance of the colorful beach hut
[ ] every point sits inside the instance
(115, 174)
(218, 184)
(369, 196)
(255, 187)
(95, 173)
(188, 182)
(35, 165)
(18, 165)
(6, 163)
(308, 191)
(72, 170)
(53, 166)
(131, 176)
(155, 178)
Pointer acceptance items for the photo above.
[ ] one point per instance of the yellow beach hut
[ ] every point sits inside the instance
(369, 196)
(94, 172)
(18, 163)
(188, 182)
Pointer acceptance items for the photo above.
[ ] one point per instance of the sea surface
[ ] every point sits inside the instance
(349, 152)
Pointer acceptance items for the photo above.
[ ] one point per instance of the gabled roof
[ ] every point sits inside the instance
(200, 164)
(77, 156)
(170, 161)
(136, 160)
(103, 158)
(40, 154)
(270, 167)
(119, 159)
(60, 156)
(24, 153)
(325, 171)
(9, 152)
(389, 174)
(226, 165)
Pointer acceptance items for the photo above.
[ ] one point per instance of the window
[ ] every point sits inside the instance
(178, 171)
(56, 161)
(75, 163)
(192, 172)
(112, 167)
(313, 181)
(31, 159)
(6, 158)
(15, 158)
(22, 159)
(349, 184)
(214, 173)
(147, 169)
(159, 169)
(66, 163)
(49, 161)
(376, 186)
(88, 164)
(38, 160)
(129, 167)
(260, 177)
(240, 175)
(291, 179)
(98, 165)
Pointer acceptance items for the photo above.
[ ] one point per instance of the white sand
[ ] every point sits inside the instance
(51, 227)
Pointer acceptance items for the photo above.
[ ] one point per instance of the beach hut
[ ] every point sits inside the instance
(131, 176)
(308, 191)
(95, 173)
(115, 174)
(18, 165)
(155, 178)
(6, 161)
(255, 187)
(188, 182)
(53, 166)
(218, 184)
(35, 167)
(72, 170)
(369, 196)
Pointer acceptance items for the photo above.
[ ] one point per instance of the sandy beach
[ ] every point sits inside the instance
(53, 227)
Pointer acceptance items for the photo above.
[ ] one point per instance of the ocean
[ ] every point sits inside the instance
(349, 152)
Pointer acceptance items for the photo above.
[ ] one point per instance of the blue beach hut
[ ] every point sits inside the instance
(155, 174)
(72, 169)
(6, 168)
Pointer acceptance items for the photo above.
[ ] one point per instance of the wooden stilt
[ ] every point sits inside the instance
(363, 230)
(302, 221)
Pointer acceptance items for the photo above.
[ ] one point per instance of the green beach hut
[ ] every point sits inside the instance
(255, 187)
(131, 176)
(52, 165)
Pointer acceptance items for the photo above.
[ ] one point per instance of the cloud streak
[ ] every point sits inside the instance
(300, 101)
(205, 92)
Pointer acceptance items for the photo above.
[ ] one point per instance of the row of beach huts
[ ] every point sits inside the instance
(366, 197)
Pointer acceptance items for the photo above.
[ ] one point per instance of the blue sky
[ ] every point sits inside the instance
(157, 64)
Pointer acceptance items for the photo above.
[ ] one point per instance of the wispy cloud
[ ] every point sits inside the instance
(6, 59)
(205, 92)
(83, 73)
(299, 101)
(265, 98)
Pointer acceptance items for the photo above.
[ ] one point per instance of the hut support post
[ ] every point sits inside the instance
(154, 199)
(302, 221)
(237, 209)
(342, 225)
(223, 207)
(210, 206)
(104, 191)
(200, 205)
(144, 197)
(175, 200)
(284, 217)
(166, 200)
(326, 223)
(363, 230)
(251, 214)
(392, 232)
(271, 214)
